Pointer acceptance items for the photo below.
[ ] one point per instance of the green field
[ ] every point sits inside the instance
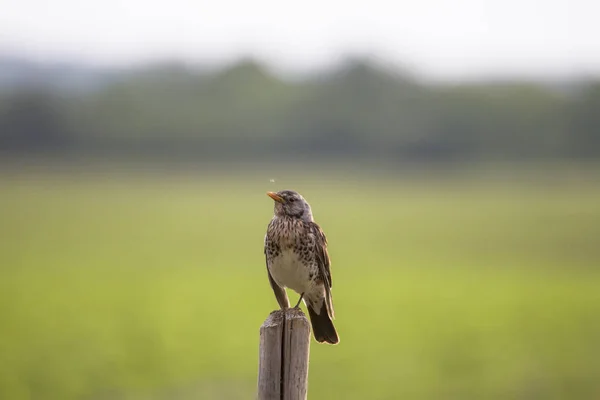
(133, 286)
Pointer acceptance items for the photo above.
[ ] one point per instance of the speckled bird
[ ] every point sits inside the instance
(297, 258)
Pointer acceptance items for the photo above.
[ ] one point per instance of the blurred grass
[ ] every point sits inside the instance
(139, 287)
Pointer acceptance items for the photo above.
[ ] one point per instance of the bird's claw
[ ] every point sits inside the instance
(299, 301)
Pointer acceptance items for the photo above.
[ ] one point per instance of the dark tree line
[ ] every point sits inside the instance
(357, 110)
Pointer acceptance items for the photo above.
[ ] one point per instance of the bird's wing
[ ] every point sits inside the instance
(324, 264)
(322, 254)
(280, 293)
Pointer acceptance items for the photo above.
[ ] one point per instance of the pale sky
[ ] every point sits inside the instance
(439, 38)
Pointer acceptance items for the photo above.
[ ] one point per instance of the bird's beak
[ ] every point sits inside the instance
(275, 197)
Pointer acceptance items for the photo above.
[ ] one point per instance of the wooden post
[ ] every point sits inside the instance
(283, 360)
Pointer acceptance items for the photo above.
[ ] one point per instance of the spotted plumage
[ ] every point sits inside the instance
(297, 258)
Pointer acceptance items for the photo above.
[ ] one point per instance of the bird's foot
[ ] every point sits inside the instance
(299, 301)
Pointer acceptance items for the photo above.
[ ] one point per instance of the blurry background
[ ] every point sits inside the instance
(449, 150)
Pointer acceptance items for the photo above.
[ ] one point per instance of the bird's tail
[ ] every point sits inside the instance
(322, 325)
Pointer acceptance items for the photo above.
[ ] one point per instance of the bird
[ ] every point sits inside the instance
(296, 255)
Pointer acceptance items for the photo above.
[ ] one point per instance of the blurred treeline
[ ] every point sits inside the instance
(243, 110)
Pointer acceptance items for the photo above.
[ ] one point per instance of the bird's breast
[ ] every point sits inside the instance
(288, 269)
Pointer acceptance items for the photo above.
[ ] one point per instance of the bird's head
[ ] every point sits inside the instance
(291, 204)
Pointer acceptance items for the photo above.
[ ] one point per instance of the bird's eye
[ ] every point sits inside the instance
(292, 199)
